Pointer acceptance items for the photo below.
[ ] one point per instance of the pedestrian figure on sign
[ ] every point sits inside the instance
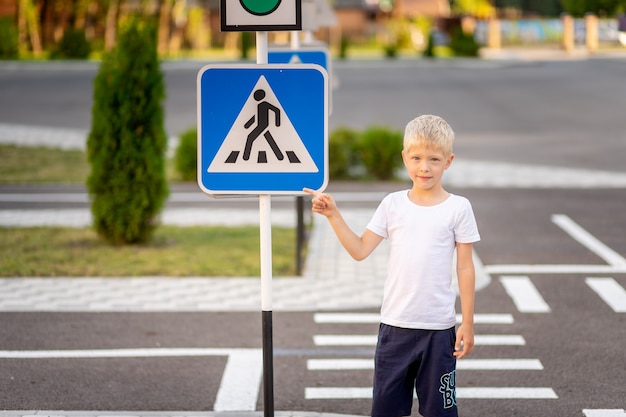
(262, 123)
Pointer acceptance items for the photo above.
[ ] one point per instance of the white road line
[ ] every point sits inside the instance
(507, 393)
(242, 365)
(374, 318)
(616, 412)
(370, 340)
(234, 394)
(499, 364)
(347, 318)
(499, 340)
(554, 269)
(339, 364)
(588, 240)
(465, 364)
(345, 340)
(330, 393)
(610, 291)
(524, 294)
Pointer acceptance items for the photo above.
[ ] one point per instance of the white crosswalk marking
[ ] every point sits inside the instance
(524, 294)
(610, 291)
(465, 364)
(313, 393)
(617, 412)
(370, 340)
(589, 241)
(374, 318)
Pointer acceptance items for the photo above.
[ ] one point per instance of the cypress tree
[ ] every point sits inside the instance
(127, 142)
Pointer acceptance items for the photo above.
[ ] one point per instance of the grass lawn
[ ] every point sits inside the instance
(173, 251)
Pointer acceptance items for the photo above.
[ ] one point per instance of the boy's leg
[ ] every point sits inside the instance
(436, 378)
(394, 372)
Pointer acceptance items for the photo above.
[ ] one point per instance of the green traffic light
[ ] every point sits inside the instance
(260, 7)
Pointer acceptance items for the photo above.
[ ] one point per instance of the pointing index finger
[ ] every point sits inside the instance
(312, 192)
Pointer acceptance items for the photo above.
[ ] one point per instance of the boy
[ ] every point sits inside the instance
(417, 345)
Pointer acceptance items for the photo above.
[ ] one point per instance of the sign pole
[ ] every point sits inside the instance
(265, 222)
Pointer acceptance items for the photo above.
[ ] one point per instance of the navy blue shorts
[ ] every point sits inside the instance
(411, 358)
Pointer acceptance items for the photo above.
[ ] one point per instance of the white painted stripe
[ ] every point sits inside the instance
(370, 340)
(465, 364)
(336, 393)
(588, 240)
(339, 364)
(554, 269)
(330, 393)
(524, 294)
(347, 318)
(616, 412)
(500, 364)
(242, 365)
(374, 318)
(507, 393)
(499, 340)
(345, 340)
(118, 353)
(610, 291)
(234, 394)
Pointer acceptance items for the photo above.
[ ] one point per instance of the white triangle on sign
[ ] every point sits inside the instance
(270, 146)
(295, 59)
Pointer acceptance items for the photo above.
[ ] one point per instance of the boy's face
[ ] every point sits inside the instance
(426, 165)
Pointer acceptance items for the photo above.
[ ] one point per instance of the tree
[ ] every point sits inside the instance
(127, 143)
(598, 7)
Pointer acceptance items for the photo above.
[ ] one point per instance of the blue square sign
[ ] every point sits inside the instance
(262, 129)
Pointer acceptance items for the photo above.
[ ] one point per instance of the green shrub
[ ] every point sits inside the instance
(186, 157)
(463, 44)
(391, 50)
(343, 47)
(9, 46)
(429, 52)
(127, 142)
(380, 150)
(73, 45)
(341, 146)
(247, 43)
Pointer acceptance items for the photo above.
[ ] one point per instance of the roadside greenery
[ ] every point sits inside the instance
(370, 154)
(172, 251)
(127, 143)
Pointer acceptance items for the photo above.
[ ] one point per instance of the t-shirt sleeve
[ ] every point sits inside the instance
(466, 229)
(378, 223)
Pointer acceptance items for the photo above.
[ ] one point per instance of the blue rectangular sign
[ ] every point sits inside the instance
(262, 129)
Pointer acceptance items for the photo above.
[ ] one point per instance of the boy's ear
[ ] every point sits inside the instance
(449, 161)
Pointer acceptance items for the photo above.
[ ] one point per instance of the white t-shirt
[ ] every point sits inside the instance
(422, 240)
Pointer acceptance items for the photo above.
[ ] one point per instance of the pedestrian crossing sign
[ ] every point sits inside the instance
(262, 129)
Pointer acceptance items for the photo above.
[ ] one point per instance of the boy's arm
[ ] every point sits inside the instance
(466, 276)
(359, 247)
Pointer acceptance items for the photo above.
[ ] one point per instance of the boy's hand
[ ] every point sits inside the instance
(464, 341)
(322, 203)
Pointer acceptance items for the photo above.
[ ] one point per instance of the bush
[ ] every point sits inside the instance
(380, 150)
(341, 145)
(9, 46)
(186, 157)
(73, 45)
(127, 142)
(463, 44)
(429, 51)
(343, 46)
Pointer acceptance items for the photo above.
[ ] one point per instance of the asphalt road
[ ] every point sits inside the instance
(567, 114)
(543, 269)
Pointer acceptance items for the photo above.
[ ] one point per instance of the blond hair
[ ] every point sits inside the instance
(429, 131)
